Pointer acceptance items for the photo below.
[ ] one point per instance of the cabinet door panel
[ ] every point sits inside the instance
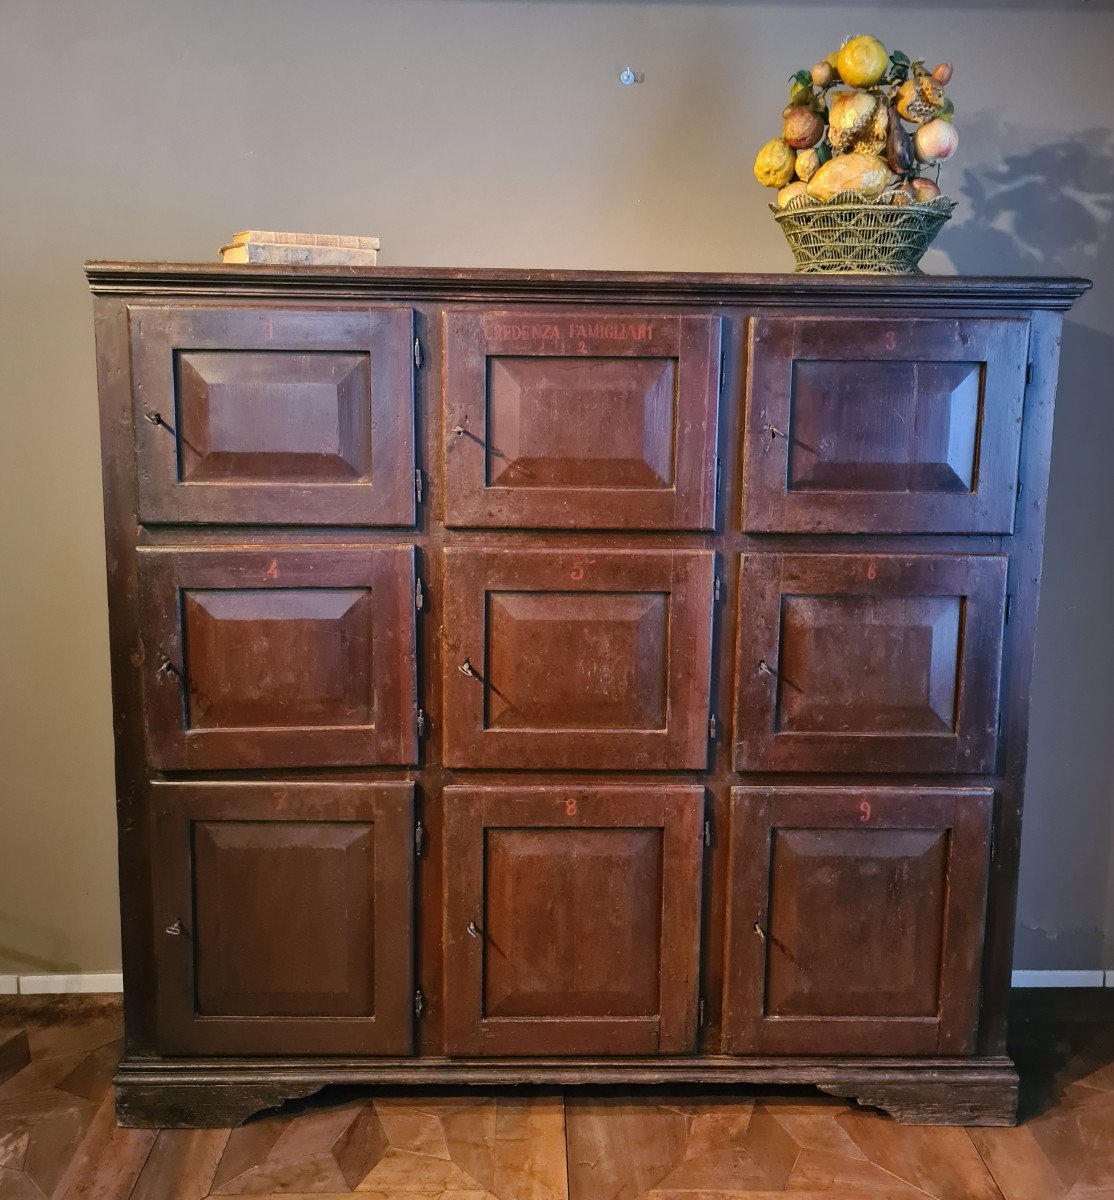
(274, 416)
(284, 917)
(279, 657)
(856, 920)
(574, 418)
(571, 920)
(856, 662)
(587, 659)
(876, 425)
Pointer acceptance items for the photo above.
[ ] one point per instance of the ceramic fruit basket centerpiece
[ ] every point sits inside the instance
(860, 132)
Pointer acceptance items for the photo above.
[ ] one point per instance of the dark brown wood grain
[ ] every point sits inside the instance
(571, 919)
(580, 418)
(855, 920)
(282, 917)
(898, 425)
(592, 658)
(257, 416)
(869, 662)
(270, 656)
(627, 677)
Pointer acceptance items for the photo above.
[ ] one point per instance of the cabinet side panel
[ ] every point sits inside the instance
(1026, 550)
(126, 657)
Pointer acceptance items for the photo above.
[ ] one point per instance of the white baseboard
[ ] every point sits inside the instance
(43, 985)
(1036, 979)
(107, 981)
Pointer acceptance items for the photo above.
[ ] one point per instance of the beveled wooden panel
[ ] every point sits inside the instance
(270, 416)
(274, 416)
(577, 658)
(883, 425)
(855, 920)
(279, 657)
(571, 919)
(581, 418)
(863, 662)
(293, 905)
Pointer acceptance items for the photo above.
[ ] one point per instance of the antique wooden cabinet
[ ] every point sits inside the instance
(573, 678)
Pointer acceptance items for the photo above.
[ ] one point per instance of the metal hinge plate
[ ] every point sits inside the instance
(717, 589)
(1009, 606)
(419, 595)
(419, 357)
(419, 486)
(421, 722)
(419, 1003)
(419, 839)
(708, 832)
(712, 727)
(700, 1013)
(1029, 371)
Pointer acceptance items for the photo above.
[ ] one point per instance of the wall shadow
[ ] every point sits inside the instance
(1045, 207)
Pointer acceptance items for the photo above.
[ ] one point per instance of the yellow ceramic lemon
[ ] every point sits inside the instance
(774, 165)
(862, 61)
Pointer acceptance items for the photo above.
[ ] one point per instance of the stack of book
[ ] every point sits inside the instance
(300, 249)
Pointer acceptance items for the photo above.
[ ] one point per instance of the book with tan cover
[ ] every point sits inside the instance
(300, 249)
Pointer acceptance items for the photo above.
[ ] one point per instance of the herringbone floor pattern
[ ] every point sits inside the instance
(58, 1136)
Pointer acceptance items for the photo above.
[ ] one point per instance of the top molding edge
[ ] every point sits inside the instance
(160, 279)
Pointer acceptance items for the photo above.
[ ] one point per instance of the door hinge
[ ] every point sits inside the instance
(419, 595)
(1029, 371)
(419, 842)
(419, 358)
(1020, 489)
(700, 1013)
(708, 831)
(719, 472)
(712, 727)
(717, 589)
(722, 369)
(421, 722)
(419, 486)
(999, 734)
(419, 1003)
(1009, 606)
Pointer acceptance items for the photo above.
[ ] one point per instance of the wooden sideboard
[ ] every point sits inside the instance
(570, 677)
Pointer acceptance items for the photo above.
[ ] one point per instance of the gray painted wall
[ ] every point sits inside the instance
(495, 132)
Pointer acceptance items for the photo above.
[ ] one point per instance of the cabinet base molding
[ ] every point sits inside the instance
(209, 1093)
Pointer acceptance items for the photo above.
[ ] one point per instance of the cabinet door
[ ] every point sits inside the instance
(587, 659)
(279, 657)
(581, 419)
(860, 662)
(572, 919)
(274, 416)
(876, 425)
(284, 917)
(855, 920)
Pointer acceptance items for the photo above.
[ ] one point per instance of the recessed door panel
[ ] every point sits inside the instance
(279, 657)
(856, 662)
(856, 920)
(573, 418)
(875, 425)
(571, 919)
(274, 416)
(589, 659)
(283, 918)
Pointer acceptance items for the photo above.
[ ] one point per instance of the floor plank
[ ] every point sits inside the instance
(59, 1139)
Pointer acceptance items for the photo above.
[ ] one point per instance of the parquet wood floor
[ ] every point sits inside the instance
(59, 1138)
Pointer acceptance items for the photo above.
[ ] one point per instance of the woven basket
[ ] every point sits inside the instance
(869, 237)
